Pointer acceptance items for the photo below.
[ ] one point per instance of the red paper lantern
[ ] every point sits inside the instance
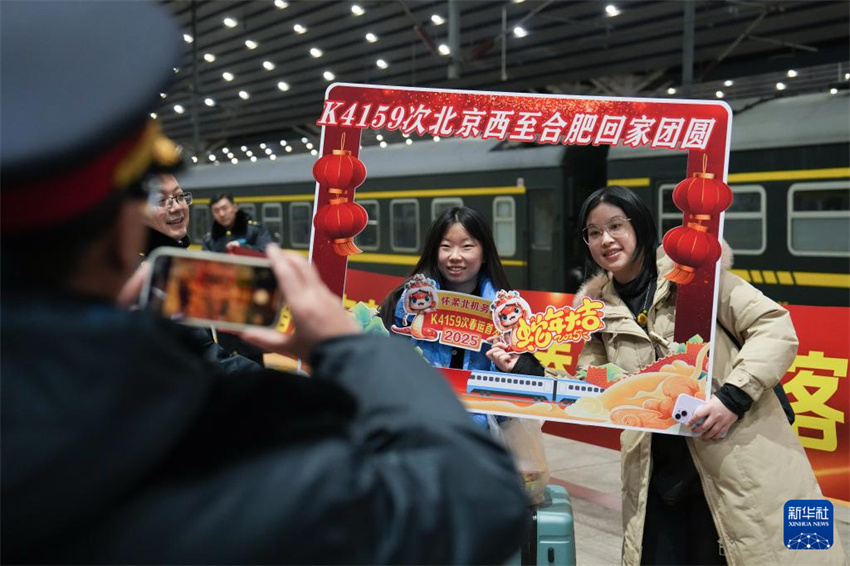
(340, 170)
(702, 194)
(690, 247)
(342, 221)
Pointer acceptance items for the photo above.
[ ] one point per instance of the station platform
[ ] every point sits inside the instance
(591, 474)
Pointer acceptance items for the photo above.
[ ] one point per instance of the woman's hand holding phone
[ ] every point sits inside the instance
(317, 313)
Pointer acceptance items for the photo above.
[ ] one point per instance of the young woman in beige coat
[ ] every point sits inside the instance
(709, 499)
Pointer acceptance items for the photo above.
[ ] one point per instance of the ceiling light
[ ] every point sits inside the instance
(309, 145)
(304, 140)
(230, 22)
(299, 29)
(209, 57)
(444, 49)
(436, 138)
(289, 149)
(780, 86)
(382, 64)
(272, 157)
(329, 76)
(520, 32)
(268, 151)
(379, 137)
(315, 52)
(162, 95)
(153, 115)
(833, 90)
(187, 38)
(175, 69)
(179, 109)
(262, 146)
(225, 150)
(282, 142)
(314, 152)
(253, 159)
(846, 76)
(194, 159)
(383, 144)
(408, 141)
(244, 148)
(438, 20)
(227, 76)
(230, 156)
(282, 4)
(719, 94)
(234, 161)
(283, 86)
(212, 157)
(671, 90)
(268, 65)
(243, 94)
(357, 10)
(728, 83)
(792, 73)
(250, 44)
(371, 37)
(209, 102)
(249, 153)
(612, 10)
(517, 1)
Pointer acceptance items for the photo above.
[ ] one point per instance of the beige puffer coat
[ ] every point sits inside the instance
(748, 476)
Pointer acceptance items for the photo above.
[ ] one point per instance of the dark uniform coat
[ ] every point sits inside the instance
(122, 444)
(251, 235)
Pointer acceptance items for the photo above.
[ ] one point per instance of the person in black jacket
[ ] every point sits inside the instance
(119, 441)
(234, 228)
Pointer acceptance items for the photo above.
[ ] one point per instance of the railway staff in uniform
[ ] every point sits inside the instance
(120, 443)
(234, 228)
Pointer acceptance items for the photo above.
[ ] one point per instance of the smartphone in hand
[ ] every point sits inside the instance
(231, 292)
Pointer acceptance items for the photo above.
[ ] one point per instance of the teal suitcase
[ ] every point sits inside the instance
(550, 539)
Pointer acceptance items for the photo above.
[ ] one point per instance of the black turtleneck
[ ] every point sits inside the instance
(157, 239)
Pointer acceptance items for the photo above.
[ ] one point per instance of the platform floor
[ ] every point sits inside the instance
(592, 476)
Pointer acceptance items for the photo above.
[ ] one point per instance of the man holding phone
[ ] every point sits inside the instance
(120, 442)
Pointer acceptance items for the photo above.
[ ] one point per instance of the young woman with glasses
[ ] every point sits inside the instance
(718, 497)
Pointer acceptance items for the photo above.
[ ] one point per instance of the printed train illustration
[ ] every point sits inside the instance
(527, 387)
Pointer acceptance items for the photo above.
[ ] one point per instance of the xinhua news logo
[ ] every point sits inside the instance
(808, 524)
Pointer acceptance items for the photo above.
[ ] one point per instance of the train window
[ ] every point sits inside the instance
(504, 225)
(819, 219)
(438, 205)
(404, 221)
(745, 224)
(249, 208)
(200, 224)
(273, 220)
(369, 238)
(300, 224)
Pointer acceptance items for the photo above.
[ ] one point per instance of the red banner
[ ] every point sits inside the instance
(816, 384)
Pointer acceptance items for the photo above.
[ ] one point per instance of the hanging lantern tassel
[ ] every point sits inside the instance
(700, 197)
(342, 221)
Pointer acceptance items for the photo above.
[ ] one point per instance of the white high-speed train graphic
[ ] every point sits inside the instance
(529, 387)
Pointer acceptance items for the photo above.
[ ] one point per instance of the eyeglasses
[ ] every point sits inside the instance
(166, 202)
(617, 227)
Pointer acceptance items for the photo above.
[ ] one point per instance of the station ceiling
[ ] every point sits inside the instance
(256, 71)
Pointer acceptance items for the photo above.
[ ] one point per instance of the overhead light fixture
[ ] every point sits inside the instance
(244, 148)
(833, 90)
(253, 159)
(383, 144)
(408, 141)
(728, 82)
(153, 115)
(230, 155)
(268, 151)
(179, 109)
(314, 152)
(780, 86)
(436, 138)
(282, 4)
(212, 157)
(719, 94)
(272, 156)
(163, 95)
(282, 142)
(438, 20)
(289, 149)
(228, 76)
(382, 64)
(671, 90)
(304, 140)
(209, 102)
(225, 151)
(847, 76)
(371, 37)
(175, 69)
(234, 161)
(520, 32)
(194, 159)
(612, 10)
(187, 38)
(230, 22)
(379, 137)
(299, 29)
(792, 73)
(251, 44)
(284, 86)
(316, 52)
(262, 146)
(444, 49)
(329, 76)
(268, 65)
(243, 94)
(357, 10)
(249, 153)
(209, 57)
(309, 145)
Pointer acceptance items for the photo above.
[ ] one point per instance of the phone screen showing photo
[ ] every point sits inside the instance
(210, 292)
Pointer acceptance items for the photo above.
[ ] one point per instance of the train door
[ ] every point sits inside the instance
(545, 242)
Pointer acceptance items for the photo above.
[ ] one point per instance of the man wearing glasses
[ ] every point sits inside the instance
(167, 214)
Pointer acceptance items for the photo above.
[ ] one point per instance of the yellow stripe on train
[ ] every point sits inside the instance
(800, 278)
